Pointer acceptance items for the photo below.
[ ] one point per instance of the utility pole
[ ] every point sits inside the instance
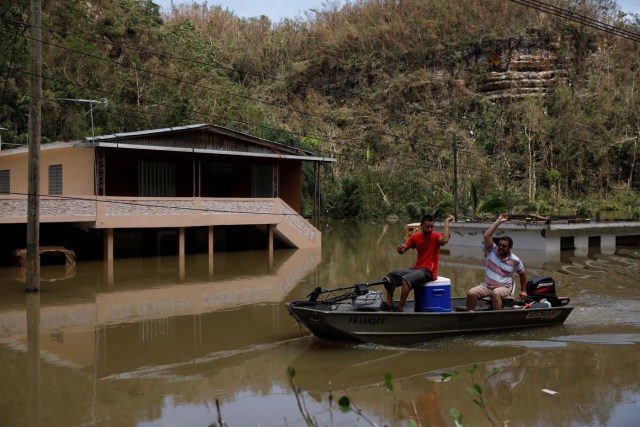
(35, 125)
(455, 177)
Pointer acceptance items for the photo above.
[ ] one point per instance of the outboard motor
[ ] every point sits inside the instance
(544, 288)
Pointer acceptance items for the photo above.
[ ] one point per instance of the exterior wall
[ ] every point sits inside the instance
(121, 171)
(139, 212)
(290, 184)
(77, 169)
(193, 206)
(192, 175)
(536, 240)
(121, 213)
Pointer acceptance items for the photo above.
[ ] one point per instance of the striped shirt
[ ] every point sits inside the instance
(500, 270)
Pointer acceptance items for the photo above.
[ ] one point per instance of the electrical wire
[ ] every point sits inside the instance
(231, 94)
(578, 18)
(200, 86)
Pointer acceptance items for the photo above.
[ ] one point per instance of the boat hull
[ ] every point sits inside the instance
(343, 322)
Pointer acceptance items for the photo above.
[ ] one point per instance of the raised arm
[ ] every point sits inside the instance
(445, 234)
(488, 234)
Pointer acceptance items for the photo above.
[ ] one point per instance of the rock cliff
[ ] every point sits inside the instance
(520, 67)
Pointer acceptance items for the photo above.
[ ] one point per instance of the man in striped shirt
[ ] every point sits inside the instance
(501, 264)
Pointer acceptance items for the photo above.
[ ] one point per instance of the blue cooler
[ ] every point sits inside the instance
(434, 296)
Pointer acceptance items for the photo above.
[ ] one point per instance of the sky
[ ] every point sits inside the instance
(277, 10)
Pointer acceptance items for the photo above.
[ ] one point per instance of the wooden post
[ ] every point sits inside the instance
(35, 125)
(34, 395)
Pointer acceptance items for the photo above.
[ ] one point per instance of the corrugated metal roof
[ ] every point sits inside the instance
(204, 127)
(146, 132)
(127, 146)
(111, 141)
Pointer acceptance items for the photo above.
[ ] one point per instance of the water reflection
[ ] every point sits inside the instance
(148, 345)
(90, 333)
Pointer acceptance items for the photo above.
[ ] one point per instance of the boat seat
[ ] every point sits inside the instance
(507, 302)
(484, 304)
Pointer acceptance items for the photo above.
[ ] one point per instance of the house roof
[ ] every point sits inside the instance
(166, 139)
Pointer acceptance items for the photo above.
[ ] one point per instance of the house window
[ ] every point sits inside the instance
(156, 179)
(55, 180)
(262, 181)
(5, 181)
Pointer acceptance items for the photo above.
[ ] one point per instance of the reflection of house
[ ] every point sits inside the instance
(184, 180)
(131, 300)
(82, 348)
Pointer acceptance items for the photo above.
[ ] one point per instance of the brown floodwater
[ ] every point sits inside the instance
(164, 342)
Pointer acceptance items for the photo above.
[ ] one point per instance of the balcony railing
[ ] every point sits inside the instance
(139, 212)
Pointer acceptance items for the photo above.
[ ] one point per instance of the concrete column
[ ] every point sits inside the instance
(109, 274)
(108, 256)
(552, 245)
(270, 228)
(108, 244)
(181, 252)
(581, 241)
(581, 245)
(608, 244)
(210, 253)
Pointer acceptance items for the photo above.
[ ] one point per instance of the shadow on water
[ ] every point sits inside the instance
(156, 341)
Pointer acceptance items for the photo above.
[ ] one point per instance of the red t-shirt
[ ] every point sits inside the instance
(428, 250)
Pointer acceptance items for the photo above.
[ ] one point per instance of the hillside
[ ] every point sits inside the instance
(543, 111)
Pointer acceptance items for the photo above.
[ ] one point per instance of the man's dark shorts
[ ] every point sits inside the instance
(413, 277)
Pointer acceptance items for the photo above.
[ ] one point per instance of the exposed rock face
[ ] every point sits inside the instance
(520, 67)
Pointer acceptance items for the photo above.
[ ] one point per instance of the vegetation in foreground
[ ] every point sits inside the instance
(346, 405)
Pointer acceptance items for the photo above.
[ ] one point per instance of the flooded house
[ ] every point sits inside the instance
(159, 192)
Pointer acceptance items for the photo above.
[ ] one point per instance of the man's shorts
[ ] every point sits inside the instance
(413, 277)
(482, 290)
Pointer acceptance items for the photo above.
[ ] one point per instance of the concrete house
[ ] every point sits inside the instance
(171, 190)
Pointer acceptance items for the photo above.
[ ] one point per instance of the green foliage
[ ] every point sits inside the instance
(348, 199)
(385, 87)
(476, 391)
(345, 404)
(388, 381)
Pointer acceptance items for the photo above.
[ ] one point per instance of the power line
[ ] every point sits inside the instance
(179, 58)
(207, 116)
(578, 18)
(247, 98)
(197, 85)
(151, 205)
(103, 92)
(325, 152)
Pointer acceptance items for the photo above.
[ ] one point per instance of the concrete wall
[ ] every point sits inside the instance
(77, 169)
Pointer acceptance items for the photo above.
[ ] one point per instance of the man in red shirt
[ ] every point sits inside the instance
(427, 243)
